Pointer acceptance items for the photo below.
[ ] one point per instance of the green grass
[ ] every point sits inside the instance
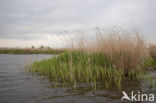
(113, 57)
(77, 66)
(28, 51)
(149, 62)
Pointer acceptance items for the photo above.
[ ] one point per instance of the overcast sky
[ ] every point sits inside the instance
(35, 22)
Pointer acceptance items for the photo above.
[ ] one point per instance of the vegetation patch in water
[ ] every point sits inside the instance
(111, 60)
(72, 67)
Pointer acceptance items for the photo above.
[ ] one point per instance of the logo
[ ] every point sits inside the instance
(137, 97)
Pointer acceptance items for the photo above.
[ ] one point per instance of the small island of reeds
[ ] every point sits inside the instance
(112, 58)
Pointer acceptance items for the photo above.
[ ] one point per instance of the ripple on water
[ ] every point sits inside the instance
(17, 86)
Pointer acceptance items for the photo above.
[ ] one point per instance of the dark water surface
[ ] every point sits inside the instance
(18, 86)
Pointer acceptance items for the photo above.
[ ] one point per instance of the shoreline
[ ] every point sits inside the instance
(30, 51)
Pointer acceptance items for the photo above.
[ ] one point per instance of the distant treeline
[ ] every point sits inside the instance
(30, 51)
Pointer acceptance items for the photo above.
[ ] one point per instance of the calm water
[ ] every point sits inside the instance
(18, 86)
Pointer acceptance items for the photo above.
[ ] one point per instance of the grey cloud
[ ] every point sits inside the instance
(24, 18)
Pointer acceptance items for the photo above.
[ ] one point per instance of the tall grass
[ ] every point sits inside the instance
(108, 58)
(126, 49)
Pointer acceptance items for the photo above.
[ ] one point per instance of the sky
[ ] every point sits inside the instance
(24, 23)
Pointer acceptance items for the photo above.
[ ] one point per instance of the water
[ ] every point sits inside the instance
(18, 86)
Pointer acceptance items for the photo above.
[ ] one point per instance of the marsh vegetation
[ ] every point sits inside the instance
(113, 57)
(31, 50)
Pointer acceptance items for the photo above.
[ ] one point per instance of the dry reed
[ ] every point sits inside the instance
(108, 58)
(126, 49)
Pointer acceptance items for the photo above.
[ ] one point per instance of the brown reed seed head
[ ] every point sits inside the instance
(126, 48)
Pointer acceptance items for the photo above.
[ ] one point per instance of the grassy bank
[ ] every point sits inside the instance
(29, 51)
(111, 59)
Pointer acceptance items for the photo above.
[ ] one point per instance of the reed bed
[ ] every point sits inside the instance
(112, 57)
(30, 51)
